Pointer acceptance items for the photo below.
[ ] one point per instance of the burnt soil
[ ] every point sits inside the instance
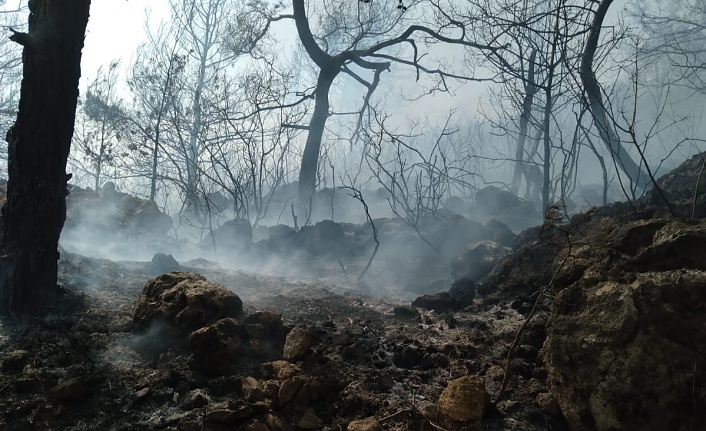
(76, 367)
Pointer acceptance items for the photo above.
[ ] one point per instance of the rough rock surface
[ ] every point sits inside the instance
(185, 302)
(628, 329)
(477, 259)
(235, 235)
(162, 263)
(367, 424)
(297, 343)
(464, 399)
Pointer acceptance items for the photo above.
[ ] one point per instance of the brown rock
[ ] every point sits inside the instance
(257, 426)
(367, 424)
(310, 421)
(185, 302)
(229, 416)
(677, 245)
(297, 343)
(275, 422)
(141, 394)
(464, 399)
(217, 348)
(271, 389)
(252, 390)
(477, 259)
(69, 391)
(429, 410)
(284, 370)
(621, 355)
(289, 389)
(195, 399)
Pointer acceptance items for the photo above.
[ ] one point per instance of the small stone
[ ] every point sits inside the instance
(68, 392)
(141, 394)
(252, 390)
(495, 373)
(367, 424)
(464, 399)
(284, 370)
(195, 399)
(297, 343)
(289, 389)
(405, 312)
(428, 410)
(310, 421)
(271, 389)
(229, 416)
(275, 422)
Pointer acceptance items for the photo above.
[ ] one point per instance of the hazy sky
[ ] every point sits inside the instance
(115, 29)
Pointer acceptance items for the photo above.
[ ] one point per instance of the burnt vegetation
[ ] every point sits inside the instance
(355, 215)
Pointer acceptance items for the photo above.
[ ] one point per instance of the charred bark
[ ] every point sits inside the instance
(609, 136)
(39, 144)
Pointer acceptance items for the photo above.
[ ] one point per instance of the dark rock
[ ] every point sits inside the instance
(226, 385)
(217, 348)
(28, 385)
(405, 311)
(500, 233)
(630, 353)
(452, 234)
(162, 263)
(14, 361)
(442, 302)
(677, 245)
(234, 235)
(429, 274)
(68, 392)
(409, 357)
(195, 399)
(494, 201)
(477, 259)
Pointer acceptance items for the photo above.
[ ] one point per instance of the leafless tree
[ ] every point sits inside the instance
(39, 144)
(99, 126)
(361, 40)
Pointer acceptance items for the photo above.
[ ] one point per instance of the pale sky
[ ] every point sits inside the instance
(115, 29)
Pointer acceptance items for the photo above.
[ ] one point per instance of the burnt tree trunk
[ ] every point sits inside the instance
(39, 144)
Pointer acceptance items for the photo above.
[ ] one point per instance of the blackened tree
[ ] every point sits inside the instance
(39, 144)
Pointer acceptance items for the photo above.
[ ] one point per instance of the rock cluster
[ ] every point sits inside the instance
(628, 330)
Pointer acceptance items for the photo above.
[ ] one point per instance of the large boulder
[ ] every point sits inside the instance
(234, 235)
(185, 302)
(110, 223)
(677, 187)
(494, 200)
(628, 330)
(452, 234)
(477, 259)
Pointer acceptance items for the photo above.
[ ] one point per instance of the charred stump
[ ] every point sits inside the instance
(38, 148)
